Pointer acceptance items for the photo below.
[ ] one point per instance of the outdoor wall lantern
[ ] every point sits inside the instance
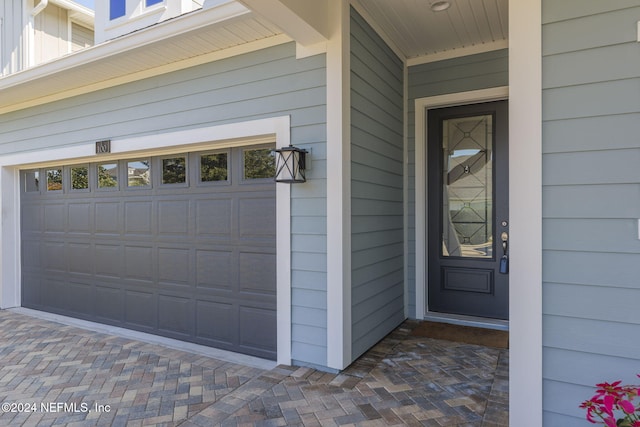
(290, 165)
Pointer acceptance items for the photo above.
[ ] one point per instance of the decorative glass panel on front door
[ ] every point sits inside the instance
(467, 191)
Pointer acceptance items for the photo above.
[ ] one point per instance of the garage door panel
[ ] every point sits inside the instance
(109, 304)
(257, 273)
(214, 269)
(107, 218)
(173, 217)
(216, 321)
(80, 258)
(174, 266)
(139, 262)
(175, 315)
(194, 261)
(254, 338)
(31, 290)
(79, 297)
(141, 309)
(55, 219)
(80, 218)
(137, 217)
(54, 257)
(108, 260)
(31, 218)
(213, 218)
(257, 218)
(31, 252)
(54, 294)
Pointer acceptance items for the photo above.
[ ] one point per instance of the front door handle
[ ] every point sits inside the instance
(505, 241)
(504, 261)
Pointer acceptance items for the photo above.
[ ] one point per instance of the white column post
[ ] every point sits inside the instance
(338, 188)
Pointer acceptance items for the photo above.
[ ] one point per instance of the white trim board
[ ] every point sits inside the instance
(235, 134)
(525, 212)
(339, 189)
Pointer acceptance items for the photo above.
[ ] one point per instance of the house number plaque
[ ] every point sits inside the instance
(103, 147)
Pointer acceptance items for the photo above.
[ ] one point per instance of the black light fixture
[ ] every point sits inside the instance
(290, 165)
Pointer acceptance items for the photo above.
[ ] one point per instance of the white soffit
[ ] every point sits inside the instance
(416, 30)
(197, 37)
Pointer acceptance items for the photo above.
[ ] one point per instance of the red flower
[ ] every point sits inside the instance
(627, 406)
(611, 399)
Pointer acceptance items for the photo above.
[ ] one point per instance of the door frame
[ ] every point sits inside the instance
(422, 106)
(434, 194)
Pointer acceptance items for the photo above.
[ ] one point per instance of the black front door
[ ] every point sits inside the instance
(468, 210)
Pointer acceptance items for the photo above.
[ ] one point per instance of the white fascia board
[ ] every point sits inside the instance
(162, 31)
(304, 21)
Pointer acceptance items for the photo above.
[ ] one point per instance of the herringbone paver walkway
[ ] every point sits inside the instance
(51, 374)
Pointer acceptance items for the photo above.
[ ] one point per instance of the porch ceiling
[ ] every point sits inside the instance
(418, 31)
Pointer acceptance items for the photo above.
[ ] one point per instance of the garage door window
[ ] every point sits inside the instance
(214, 167)
(32, 181)
(259, 163)
(138, 173)
(79, 178)
(108, 176)
(174, 170)
(54, 180)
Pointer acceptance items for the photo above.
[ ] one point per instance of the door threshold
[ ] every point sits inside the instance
(458, 319)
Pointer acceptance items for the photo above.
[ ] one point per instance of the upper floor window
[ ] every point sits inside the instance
(152, 2)
(117, 8)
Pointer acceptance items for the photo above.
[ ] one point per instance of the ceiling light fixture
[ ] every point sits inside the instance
(440, 6)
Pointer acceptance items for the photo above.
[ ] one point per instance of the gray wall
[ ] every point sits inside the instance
(376, 187)
(261, 84)
(461, 74)
(591, 201)
(10, 36)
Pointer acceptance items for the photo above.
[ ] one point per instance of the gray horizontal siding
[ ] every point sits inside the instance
(612, 201)
(256, 85)
(579, 32)
(586, 268)
(377, 275)
(591, 203)
(591, 133)
(461, 74)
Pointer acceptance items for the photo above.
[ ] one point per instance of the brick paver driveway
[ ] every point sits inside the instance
(52, 374)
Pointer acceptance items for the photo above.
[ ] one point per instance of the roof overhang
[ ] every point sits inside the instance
(195, 38)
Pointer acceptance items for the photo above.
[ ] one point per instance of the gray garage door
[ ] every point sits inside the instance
(181, 246)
